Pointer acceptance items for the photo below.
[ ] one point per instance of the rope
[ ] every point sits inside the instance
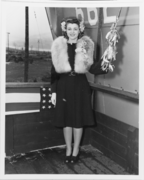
(38, 29)
(119, 12)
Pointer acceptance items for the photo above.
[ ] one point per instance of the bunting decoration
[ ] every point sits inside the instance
(45, 102)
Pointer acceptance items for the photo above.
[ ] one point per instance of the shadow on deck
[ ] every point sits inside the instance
(51, 161)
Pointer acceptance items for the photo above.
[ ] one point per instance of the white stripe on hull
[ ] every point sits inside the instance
(22, 97)
(21, 112)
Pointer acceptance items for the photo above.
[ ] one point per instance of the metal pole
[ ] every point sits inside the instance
(98, 45)
(100, 22)
(26, 44)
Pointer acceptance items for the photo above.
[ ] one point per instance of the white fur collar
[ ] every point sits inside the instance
(83, 61)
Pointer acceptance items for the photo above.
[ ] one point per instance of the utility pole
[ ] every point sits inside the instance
(38, 45)
(8, 40)
(26, 44)
(31, 47)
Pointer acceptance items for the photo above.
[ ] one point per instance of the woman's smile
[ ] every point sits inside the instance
(73, 35)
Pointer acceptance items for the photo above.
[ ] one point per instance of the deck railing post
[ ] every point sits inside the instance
(26, 44)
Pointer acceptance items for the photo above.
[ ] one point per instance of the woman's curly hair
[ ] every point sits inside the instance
(72, 20)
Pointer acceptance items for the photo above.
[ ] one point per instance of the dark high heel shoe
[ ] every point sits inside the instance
(74, 159)
(67, 159)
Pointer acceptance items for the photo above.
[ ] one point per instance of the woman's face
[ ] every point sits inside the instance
(72, 31)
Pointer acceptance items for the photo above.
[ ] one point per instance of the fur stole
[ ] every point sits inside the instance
(83, 55)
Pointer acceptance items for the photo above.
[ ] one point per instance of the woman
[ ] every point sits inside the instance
(72, 57)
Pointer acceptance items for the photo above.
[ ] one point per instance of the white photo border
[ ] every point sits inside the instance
(39, 3)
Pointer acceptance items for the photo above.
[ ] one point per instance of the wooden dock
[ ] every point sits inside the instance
(51, 161)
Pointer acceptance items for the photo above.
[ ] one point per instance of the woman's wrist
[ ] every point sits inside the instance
(53, 92)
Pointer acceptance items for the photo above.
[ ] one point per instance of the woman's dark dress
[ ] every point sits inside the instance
(73, 100)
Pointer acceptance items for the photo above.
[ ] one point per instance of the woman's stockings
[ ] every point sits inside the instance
(77, 132)
(68, 139)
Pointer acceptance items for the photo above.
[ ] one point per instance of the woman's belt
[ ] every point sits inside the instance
(72, 73)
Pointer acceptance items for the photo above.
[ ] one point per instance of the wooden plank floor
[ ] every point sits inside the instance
(50, 161)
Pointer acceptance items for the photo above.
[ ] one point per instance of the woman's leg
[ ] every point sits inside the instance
(77, 132)
(68, 139)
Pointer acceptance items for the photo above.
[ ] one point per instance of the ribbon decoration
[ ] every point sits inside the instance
(110, 53)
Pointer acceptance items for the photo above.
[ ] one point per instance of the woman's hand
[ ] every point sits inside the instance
(53, 99)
